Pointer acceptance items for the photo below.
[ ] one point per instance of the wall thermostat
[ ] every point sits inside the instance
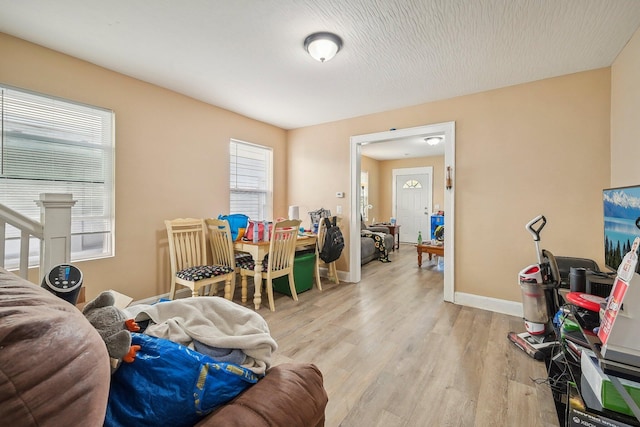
(339, 194)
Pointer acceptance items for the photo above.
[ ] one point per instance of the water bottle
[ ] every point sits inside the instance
(255, 232)
(265, 235)
(419, 237)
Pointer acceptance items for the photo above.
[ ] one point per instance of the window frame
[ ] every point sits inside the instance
(93, 224)
(265, 212)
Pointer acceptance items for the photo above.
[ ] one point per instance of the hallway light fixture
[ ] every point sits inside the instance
(433, 141)
(322, 46)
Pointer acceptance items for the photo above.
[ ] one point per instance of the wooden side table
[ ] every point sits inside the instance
(430, 250)
(394, 230)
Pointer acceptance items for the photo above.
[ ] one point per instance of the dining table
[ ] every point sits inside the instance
(258, 251)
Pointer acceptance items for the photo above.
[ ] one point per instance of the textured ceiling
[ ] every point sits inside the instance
(247, 55)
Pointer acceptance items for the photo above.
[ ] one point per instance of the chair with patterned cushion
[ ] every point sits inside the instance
(246, 265)
(188, 258)
(222, 252)
(278, 262)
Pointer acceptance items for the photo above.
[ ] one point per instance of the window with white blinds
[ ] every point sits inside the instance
(250, 180)
(51, 145)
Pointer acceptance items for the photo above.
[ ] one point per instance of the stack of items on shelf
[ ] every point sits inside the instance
(588, 337)
(609, 354)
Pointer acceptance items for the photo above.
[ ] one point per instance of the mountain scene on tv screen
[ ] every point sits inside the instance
(621, 210)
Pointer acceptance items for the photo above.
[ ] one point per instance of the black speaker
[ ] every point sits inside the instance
(64, 281)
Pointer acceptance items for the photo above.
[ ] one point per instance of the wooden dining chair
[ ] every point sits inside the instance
(332, 272)
(188, 258)
(222, 253)
(280, 259)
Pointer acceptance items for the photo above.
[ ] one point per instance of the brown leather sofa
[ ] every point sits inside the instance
(54, 371)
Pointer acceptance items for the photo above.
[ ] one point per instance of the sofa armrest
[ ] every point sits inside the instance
(289, 395)
(378, 229)
(54, 368)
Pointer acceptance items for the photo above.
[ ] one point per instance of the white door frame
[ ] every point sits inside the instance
(448, 130)
(409, 171)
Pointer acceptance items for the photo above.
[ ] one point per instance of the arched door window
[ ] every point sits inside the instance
(412, 183)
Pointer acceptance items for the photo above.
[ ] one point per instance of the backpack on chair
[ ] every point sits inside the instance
(333, 242)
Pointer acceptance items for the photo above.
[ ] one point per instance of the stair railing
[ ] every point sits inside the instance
(53, 231)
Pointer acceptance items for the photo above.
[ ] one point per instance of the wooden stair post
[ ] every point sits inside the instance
(55, 217)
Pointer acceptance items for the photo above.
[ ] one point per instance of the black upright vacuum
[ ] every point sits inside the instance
(538, 283)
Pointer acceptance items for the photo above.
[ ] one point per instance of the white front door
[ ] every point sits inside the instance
(412, 188)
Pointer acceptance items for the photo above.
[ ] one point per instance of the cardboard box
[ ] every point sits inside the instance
(602, 388)
(621, 317)
(122, 301)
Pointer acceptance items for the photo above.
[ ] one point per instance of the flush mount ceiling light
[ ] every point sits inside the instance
(322, 46)
(433, 141)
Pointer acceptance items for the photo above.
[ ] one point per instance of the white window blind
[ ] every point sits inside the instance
(250, 180)
(50, 145)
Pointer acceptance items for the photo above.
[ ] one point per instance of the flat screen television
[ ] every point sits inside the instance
(621, 210)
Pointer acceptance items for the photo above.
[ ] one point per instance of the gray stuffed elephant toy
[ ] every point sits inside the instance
(114, 328)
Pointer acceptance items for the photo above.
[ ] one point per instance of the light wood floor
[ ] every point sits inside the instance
(392, 353)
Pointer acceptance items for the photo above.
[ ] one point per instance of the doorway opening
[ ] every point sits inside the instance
(411, 200)
(448, 130)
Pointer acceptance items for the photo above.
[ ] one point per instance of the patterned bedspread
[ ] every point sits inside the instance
(378, 238)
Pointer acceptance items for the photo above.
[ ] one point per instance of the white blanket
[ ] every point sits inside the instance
(213, 321)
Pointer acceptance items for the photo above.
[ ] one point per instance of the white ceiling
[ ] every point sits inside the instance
(247, 55)
(403, 148)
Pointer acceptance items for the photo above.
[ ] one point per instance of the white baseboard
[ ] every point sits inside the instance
(492, 304)
(470, 300)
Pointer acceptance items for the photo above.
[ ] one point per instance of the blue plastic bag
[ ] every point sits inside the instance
(237, 223)
(168, 384)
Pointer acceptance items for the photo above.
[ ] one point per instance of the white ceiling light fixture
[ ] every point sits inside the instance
(433, 141)
(322, 46)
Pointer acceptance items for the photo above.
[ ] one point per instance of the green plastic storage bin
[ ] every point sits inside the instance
(303, 266)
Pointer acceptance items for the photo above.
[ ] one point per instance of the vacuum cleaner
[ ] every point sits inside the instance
(538, 283)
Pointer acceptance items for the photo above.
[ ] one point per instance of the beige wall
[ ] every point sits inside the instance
(625, 108)
(541, 147)
(171, 159)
